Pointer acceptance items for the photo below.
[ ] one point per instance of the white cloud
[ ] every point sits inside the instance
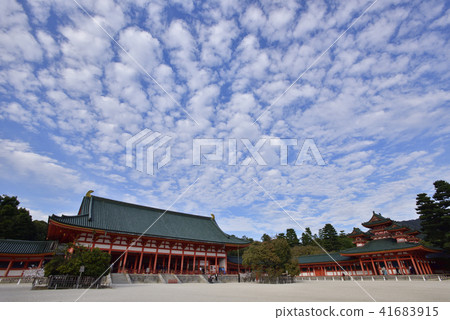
(375, 104)
(19, 164)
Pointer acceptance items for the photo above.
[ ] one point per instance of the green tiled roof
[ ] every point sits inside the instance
(317, 258)
(372, 246)
(357, 232)
(121, 217)
(396, 226)
(26, 247)
(379, 219)
(381, 245)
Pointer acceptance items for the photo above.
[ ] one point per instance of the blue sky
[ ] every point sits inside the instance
(376, 105)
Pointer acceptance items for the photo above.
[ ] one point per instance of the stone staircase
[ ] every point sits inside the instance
(120, 278)
(169, 278)
(203, 278)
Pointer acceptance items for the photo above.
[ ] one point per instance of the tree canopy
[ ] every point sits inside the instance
(69, 262)
(16, 222)
(265, 237)
(291, 237)
(329, 238)
(272, 257)
(307, 237)
(435, 215)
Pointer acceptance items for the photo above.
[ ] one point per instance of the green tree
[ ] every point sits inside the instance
(69, 262)
(329, 238)
(344, 241)
(307, 237)
(308, 250)
(291, 237)
(281, 236)
(265, 237)
(271, 257)
(435, 215)
(40, 228)
(15, 222)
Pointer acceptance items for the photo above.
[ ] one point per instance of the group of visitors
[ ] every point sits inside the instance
(384, 271)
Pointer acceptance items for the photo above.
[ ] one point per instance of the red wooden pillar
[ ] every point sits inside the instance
(420, 264)
(426, 265)
(362, 266)
(414, 264)
(399, 265)
(373, 265)
(206, 252)
(40, 263)
(9, 267)
(215, 263)
(182, 260)
(140, 259)
(193, 264)
(385, 265)
(226, 262)
(429, 267)
(156, 259)
(124, 264)
(170, 258)
(110, 245)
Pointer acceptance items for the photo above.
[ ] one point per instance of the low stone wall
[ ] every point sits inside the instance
(416, 277)
(189, 278)
(16, 279)
(145, 278)
(226, 278)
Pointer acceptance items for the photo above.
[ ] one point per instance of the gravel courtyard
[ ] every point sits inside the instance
(308, 291)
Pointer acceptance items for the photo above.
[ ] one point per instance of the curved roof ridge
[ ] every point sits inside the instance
(148, 207)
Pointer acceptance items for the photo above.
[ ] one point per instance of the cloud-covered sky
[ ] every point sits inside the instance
(80, 78)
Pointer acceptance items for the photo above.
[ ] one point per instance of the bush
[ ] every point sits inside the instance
(95, 262)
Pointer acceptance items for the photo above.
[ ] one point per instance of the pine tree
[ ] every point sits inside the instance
(307, 237)
(329, 238)
(15, 222)
(291, 237)
(435, 215)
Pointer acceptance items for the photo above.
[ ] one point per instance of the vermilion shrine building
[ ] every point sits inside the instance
(386, 245)
(19, 258)
(157, 240)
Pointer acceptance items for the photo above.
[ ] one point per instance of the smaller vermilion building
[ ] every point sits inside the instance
(17, 257)
(387, 245)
